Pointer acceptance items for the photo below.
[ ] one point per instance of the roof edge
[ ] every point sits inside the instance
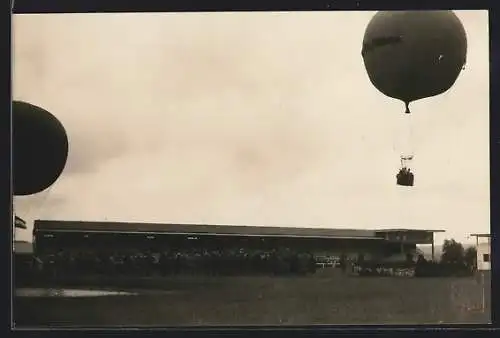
(396, 229)
(237, 225)
(211, 234)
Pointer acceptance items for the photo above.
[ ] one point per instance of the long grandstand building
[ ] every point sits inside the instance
(52, 236)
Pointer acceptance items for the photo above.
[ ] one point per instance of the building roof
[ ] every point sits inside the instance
(217, 230)
(201, 229)
(408, 230)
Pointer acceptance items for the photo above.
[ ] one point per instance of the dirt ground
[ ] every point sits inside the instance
(325, 298)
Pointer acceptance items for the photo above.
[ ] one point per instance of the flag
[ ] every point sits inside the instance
(20, 223)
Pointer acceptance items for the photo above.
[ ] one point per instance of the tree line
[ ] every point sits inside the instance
(455, 253)
(455, 260)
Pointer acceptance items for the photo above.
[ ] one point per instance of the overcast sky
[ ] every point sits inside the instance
(251, 119)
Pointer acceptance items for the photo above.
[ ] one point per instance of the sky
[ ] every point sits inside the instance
(248, 119)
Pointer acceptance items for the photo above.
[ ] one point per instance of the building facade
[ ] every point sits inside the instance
(483, 247)
(52, 236)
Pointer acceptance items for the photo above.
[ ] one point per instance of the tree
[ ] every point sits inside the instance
(470, 257)
(453, 252)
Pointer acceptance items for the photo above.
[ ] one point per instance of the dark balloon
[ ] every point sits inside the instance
(39, 148)
(410, 55)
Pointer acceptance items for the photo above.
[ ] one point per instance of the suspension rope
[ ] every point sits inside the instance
(407, 151)
(406, 159)
(410, 133)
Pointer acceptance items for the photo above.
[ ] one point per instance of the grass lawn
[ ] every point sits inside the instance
(325, 298)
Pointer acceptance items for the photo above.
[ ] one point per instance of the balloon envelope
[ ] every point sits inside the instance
(39, 148)
(410, 55)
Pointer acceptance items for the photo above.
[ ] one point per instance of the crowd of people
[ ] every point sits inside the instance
(191, 261)
(396, 269)
(202, 261)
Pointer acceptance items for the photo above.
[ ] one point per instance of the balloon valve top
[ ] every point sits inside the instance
(407, 107)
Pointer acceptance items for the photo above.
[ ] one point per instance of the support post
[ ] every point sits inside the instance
(477, 253)
(483, 300)
(432, 247)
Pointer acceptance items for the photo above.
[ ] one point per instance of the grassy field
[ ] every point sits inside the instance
(325, 298)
